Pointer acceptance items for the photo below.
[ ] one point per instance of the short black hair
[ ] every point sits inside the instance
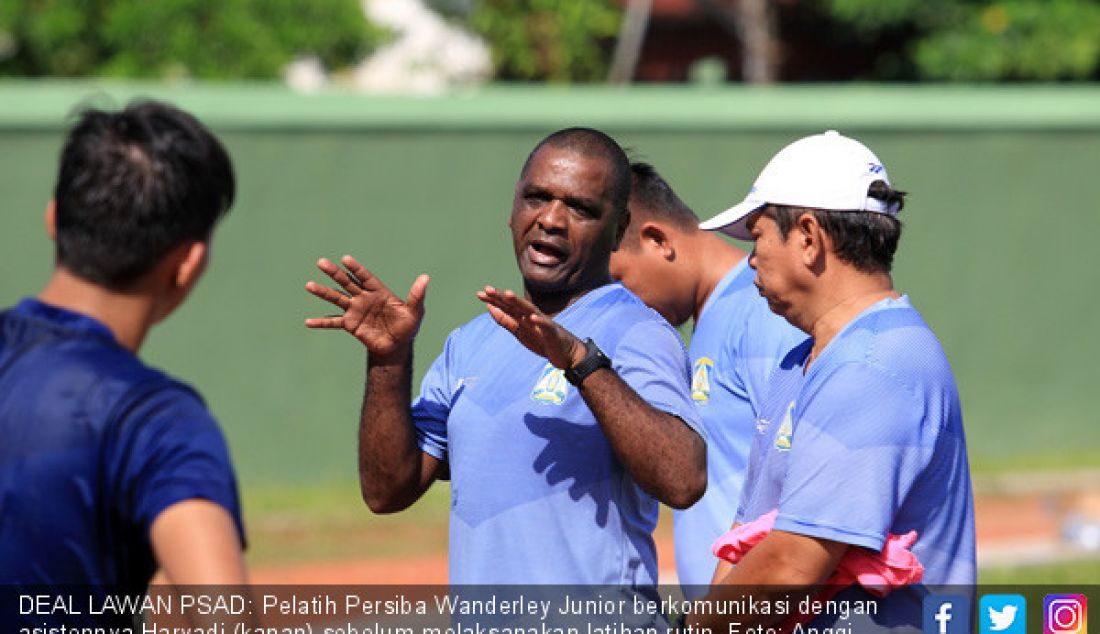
(865, 239)
(592, 143)
(651, 197)
(133, 185)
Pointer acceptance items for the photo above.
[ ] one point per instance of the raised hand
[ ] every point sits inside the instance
(371, 312)
(533, 328)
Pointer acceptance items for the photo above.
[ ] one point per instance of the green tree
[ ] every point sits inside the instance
(968, 40)
(557, 40)
(210, 39)
(1015, 39)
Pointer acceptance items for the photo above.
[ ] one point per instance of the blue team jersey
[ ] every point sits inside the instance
(538, 495)
(736, 345)
(869, 442)
(95, 445)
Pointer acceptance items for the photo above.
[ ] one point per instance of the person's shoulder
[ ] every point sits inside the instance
(137, 387)
(625, 318)
(619, 301)
(895, 341)
(117, 394)
(896, 335)
(86, 360)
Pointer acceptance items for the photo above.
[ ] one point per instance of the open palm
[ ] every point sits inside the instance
(536, 331)
(372, 313)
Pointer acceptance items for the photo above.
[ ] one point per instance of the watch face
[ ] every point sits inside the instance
(593, 360)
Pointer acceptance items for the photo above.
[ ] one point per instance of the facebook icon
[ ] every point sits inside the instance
(946, 614)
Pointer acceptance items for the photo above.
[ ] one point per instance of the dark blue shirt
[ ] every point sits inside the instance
(94, 445)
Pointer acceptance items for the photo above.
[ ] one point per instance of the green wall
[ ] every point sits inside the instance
(996, 252)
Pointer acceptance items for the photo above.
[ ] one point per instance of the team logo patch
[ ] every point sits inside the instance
(786, 428)
(700, 380)
(551, 388)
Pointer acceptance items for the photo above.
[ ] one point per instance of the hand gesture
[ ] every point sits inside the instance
(533, 328)
(372, 313)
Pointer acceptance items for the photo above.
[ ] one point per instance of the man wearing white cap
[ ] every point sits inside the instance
(860, 437)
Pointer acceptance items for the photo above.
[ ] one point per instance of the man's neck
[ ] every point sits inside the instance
(127, 315)
(553, 303)
(848, 294)
(713, 259)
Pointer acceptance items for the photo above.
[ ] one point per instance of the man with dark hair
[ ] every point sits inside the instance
(686, 273)
(595, 144)
(110, 469)
(561, 417)
(859, 444)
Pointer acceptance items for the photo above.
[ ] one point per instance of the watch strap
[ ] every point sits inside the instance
(593, 360)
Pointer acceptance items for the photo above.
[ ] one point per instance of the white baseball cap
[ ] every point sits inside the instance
(823, 171)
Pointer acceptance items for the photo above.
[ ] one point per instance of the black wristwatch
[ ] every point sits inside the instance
(593, 360)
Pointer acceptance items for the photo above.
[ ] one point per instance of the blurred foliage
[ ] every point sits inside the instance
(210, 39)
(556, 40)
(533, 40)
(983, 39)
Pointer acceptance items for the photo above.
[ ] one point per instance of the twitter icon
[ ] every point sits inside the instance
(1003, 614)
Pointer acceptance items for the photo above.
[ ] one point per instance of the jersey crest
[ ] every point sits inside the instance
(786, 428)
(700, 380)
(551, 388)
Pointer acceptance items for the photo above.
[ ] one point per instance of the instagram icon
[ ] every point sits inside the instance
(1065, 614)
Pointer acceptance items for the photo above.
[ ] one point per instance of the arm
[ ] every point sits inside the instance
(196, 543)
(393, 473)
(664, 456)
(785, 563)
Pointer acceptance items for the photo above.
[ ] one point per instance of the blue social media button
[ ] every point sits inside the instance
(1002, 614)
(946, 614)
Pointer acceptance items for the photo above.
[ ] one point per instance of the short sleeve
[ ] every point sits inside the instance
(858, 445)
(432, 406)
(171, 450)
(651, 359)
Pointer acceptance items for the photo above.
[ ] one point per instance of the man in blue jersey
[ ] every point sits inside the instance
(860, 437)
(110, 469)
(686, 273)
(561, 417)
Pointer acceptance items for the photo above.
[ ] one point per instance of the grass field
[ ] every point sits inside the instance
(301, 525)
(1080, 573)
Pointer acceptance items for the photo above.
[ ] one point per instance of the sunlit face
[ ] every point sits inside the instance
(643, 269)
(564, 224)
(777, 262)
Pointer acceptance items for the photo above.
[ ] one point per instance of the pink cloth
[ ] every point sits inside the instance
(878, 573)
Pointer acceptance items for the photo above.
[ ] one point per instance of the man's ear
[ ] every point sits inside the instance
(659, 237)
(192, 264)
(51, 219)
(811, 239)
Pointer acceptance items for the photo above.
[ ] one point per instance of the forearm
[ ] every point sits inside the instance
(390, 464)
(664, 456)
(783, 565)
